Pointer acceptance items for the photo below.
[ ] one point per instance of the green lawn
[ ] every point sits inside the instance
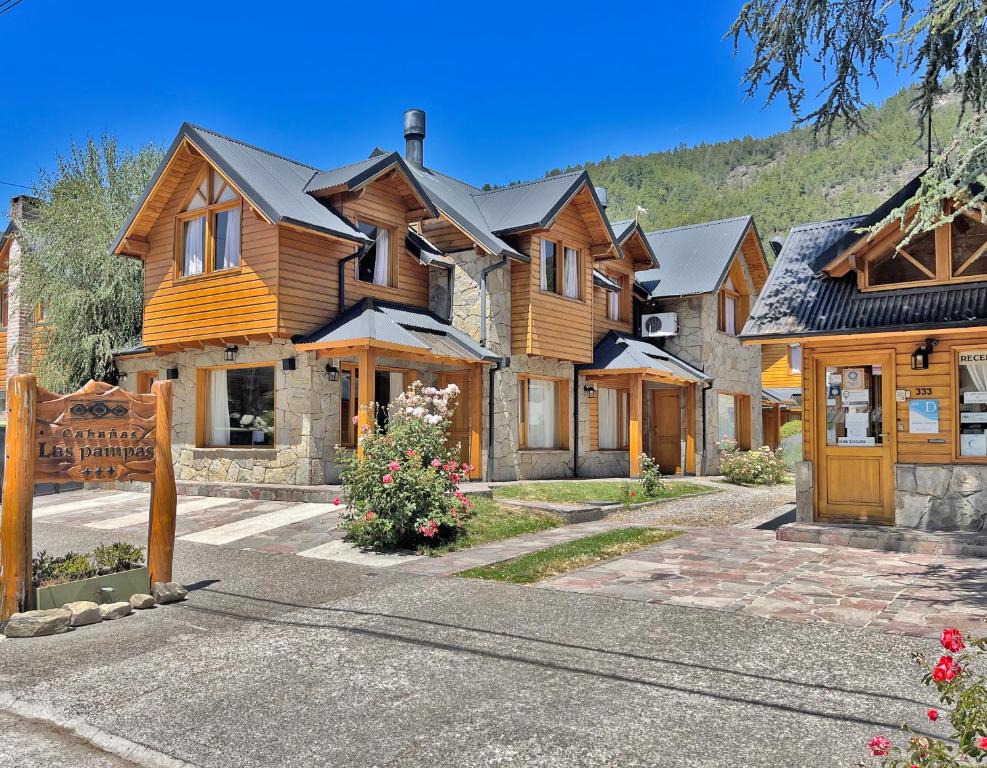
(608, 491)
(493, 522)
(561, 558)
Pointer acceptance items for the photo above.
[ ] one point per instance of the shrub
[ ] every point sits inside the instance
(960, 683)
(74, 566)
(404, 491)
(652, 483)
(760, 467)
(790, 429)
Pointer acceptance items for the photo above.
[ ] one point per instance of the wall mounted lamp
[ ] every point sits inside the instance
(288, 364)
(332, 371)
(920, 357)
(229, 354)
(590, 390)
(171, 374)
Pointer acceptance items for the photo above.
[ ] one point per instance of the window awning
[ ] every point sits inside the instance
(622, 353)
(387, 325)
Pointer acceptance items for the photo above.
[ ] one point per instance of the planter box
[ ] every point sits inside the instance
(124, 584)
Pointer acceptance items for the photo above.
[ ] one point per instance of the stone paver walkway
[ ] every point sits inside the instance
(750, 571)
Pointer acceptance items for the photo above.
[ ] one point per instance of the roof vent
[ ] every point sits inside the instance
(776, 244)
(414, 136)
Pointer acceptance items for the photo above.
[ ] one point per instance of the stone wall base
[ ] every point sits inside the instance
(941, 497)
(804, 501)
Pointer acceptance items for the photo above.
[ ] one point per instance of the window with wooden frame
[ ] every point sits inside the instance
(349, 404)
(617, 308)
(970, 375)
(731, 308)
(733, 416)
(236, 406)
(544, 413)
(795, 358)
(208, 228)
(378, 265)
(145, 379)
(613, 414)
(4, 304)
(561, 269)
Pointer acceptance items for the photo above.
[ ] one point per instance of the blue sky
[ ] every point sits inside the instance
(511, 89)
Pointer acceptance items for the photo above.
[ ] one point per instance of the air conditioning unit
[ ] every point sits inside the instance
(661, 324)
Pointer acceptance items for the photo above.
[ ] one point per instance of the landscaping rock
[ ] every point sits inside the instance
(168, 592)
(112, 611)
(83, 612)
(52, 621)
(141, 601)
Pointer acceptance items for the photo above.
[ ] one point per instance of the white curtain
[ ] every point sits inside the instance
(381, 271)
(613, 305)
(978, 373)
(231, 249)
(624, 419)
(541, 414)
(608, 418)
(571, 268)
(195, 242)
(219, 409)
(730, 310)
(545, 247)
(395, 384)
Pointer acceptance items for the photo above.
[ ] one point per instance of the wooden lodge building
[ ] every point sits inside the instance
(894, 368)
(280, 297)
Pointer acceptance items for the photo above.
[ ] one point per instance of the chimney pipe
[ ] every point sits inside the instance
(414, 136)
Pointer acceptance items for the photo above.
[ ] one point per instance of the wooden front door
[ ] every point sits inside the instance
(666, 430)
(459, 430)
(855, 423)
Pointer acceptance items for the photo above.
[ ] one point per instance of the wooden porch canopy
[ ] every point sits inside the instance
(371, 328)
(622, 360)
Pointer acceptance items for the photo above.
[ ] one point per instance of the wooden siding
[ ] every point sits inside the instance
(754, 257)
(907, 448)
(308, 280)
(546, 324)
(775, 367)
(620, 271)
(237, 302)
(446, 236)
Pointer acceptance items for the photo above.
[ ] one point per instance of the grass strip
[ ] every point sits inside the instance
(493, 522)
(569, 556)
(605, 491)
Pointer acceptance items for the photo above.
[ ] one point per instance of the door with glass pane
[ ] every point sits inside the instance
(855, 417)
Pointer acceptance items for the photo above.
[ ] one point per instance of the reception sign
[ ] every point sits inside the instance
(99, 434)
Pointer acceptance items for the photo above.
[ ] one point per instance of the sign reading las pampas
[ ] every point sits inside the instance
(98, 434)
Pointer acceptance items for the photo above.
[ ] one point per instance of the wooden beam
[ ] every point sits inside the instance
(636, 437)
(690, 429)
(367, 372)
(164, 501)
(476, 421)
(135, 245)
(18, 497)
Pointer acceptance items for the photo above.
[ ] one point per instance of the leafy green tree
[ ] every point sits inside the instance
(943, 42)
(93, 301)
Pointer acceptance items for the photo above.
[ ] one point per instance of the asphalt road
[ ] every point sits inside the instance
(278, 660)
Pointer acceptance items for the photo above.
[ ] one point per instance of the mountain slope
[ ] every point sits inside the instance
(784, 179)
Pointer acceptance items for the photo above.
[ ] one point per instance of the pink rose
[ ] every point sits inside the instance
(356, 419)
(371, 515)
(982, 743)
(952, 640)
(429, 530)
(387, 479)
(879, 746)
(394, 466)
(410, 453)
(337, 500)
(436, 463)
(454, 477)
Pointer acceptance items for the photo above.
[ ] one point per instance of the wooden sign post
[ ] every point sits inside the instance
(99, 434)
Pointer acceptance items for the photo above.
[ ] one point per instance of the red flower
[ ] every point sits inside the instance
(982, 742)
(453, 477)
(945, 670)
(952, 640)
(371, 515)
(879, 746)
(394, 466)
(933, 714)
(337, 500)
(429, 530)
(410, 453)
(633, 493)
(387, 479)
(467, 468)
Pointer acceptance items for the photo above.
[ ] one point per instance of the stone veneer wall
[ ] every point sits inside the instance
(950, 497)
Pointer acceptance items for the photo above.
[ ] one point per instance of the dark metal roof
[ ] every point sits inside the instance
(623, 229)
(783, 394)
(399, 324)
(275, 184)
(355, 175)
(141, 350)
(427, 253)
(601, 280)
(622, 351)
(799, 300)
(694, 259)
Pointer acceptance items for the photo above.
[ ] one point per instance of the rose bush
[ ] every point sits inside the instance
(961, 686)
(652, 483)
(404, 492)
(760, 467)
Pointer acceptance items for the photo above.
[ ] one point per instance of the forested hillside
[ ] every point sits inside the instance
(784, 179)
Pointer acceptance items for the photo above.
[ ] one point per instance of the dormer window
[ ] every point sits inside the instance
(730, 319)
(914, 263)
(969, 247)
(376, 265)
(209, 228)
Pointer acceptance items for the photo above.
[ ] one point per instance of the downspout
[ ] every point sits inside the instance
(493, 368)
(703, 462)
(450, 288)
(575, 421)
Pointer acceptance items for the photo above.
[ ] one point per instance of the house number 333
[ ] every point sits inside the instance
(921, 391)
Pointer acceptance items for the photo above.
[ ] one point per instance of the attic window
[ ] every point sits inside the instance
(914, 263)
(208, 237)
(376, 265)
(969, 247)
